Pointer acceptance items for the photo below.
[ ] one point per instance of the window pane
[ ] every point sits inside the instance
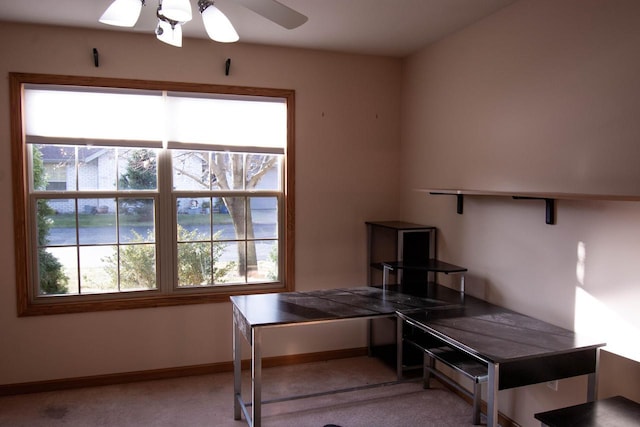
(136, 220)
(267, 261)
(191, 170)
(194, 264)
(56, 222)
(194, 218)
(230, 266)
(218, 206)
(97, 221)
(202, 170)
(53, 167)
(195, 261)
(98, 272)
(58, 271)
(263, 172)
(137, 267)
(263, 218)
(96, 168)
(227, 170)
(137, 169)
(230, 219)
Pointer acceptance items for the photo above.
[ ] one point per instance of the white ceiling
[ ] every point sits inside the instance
(383, 27)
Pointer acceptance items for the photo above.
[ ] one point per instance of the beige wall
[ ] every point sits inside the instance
(542, 96)
(347, 127)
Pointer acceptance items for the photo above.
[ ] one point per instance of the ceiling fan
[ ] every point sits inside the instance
(276, 12)
(172, 14)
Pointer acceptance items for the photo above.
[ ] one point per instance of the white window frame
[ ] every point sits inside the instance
(168, 293)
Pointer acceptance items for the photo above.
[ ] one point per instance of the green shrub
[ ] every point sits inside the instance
(53, 279)
(196, 260)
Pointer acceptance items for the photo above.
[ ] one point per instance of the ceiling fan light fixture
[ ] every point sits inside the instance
(216, 23)
(172, 14)
(122, 13)
(177, 10)
(169, 33)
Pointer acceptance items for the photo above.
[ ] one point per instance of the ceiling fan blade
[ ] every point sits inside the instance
(276, 12)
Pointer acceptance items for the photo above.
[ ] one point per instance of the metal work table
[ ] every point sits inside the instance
(253, 313)
(518, 350)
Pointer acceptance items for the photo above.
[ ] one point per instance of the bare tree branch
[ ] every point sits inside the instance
(262, 166)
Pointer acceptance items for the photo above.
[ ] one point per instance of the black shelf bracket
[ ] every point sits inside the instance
(549, 207)
(459, 203)
(549, 204)
(459, 200)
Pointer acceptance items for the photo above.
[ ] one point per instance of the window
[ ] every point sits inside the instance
(133, 194)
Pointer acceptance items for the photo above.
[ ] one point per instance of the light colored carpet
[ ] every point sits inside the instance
(208, 401)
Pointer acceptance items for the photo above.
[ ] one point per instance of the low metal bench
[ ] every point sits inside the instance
(457, 360)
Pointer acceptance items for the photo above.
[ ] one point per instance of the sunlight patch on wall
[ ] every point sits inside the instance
(594, 318)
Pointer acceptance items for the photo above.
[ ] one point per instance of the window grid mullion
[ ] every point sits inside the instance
(166, 238)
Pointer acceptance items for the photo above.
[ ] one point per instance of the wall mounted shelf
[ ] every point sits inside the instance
(548, 198)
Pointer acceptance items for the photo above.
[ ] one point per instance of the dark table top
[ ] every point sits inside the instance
(497, 334)
(490, 332)
(333, 304)
(615, 411)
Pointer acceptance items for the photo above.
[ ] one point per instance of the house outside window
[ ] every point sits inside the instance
(149, 193)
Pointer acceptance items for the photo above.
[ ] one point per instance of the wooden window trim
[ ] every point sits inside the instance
(27, 305)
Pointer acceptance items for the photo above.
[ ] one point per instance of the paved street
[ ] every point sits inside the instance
(107, 235)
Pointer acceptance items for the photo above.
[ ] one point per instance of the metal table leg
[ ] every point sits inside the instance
(592, 380)
(370, 338)
(385, 278)
(237, 371)
(477, 392)
(492, 394)
(591, 387)
(399, 344)
(256, 378)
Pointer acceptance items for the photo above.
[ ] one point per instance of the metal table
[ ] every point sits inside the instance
(518, 350)
(253, 313)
